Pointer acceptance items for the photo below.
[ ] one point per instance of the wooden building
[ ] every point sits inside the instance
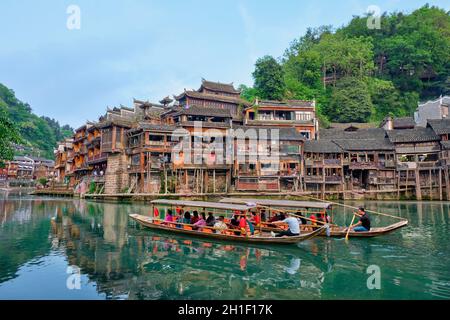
(200, 163)
(417, 153)
(442, 129)
(149, 148)
(214, 95)
(267, 159)
(355, 160)
(324, 166)
(62, 165)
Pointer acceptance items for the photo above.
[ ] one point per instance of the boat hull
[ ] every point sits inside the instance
(148, 223)
(340, 232)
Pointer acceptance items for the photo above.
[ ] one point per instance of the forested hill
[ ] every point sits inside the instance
(368, 73)
(39, 134)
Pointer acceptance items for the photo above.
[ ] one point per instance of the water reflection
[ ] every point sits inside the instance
(123, 261)
(144, 265)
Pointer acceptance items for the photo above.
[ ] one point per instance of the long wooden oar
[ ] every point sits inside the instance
(349, 227)
(352, 207)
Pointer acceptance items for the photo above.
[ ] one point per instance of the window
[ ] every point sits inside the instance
(305, 134)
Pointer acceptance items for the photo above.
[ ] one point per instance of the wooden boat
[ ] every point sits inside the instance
(209, 232)
(340, 232)
(303, 207)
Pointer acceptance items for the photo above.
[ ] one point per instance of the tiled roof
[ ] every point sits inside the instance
(365, 144)
(287, 103)
(404, 122)
(218, 86)
(156, 127)
(322, 146)
(212, 97)
(440, 126)
(351, 125)
(445, 145)
(417, 134)
(202, 111)
(117, 122)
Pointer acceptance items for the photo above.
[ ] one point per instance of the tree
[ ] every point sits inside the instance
(350, 101)
(40, 134)
(269, 79)
(248, 93)
(9, 135)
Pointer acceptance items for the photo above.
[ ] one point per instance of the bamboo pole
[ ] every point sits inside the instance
(355, 208)
(290, 212)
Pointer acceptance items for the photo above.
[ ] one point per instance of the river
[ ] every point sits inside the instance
(55, 248)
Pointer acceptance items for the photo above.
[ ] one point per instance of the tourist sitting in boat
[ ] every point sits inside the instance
(234, 224)
(169, 217)
(292, 231)
(220, 225)
(256, 219)
(313, 218)
(235, 221)
(364, 221)
(244, 226)
(302, 218)
(277, 217)
(263, 215)
(179, 219)
(210, 221)
(200, 223)
(195, 217)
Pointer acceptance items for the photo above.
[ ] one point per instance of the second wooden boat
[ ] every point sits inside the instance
(304, 208)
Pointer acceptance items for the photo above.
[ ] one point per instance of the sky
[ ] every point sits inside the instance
(147, 49)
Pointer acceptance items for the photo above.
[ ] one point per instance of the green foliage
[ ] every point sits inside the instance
(248, 93)
(92, 187)
(43, 181)
(269, 82)
(40, 134)
(350, 101)
(406, 60)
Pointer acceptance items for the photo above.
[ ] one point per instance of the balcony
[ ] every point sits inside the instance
(333, 179)
(412, 165)
(389, 164)
(364, 165)
(332, 162)
(314, 163)
(274, 121)
(408, 149)
(314, 179)
(248, 173)
(382, 180)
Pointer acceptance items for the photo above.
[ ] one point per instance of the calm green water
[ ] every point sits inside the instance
(41, 237)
